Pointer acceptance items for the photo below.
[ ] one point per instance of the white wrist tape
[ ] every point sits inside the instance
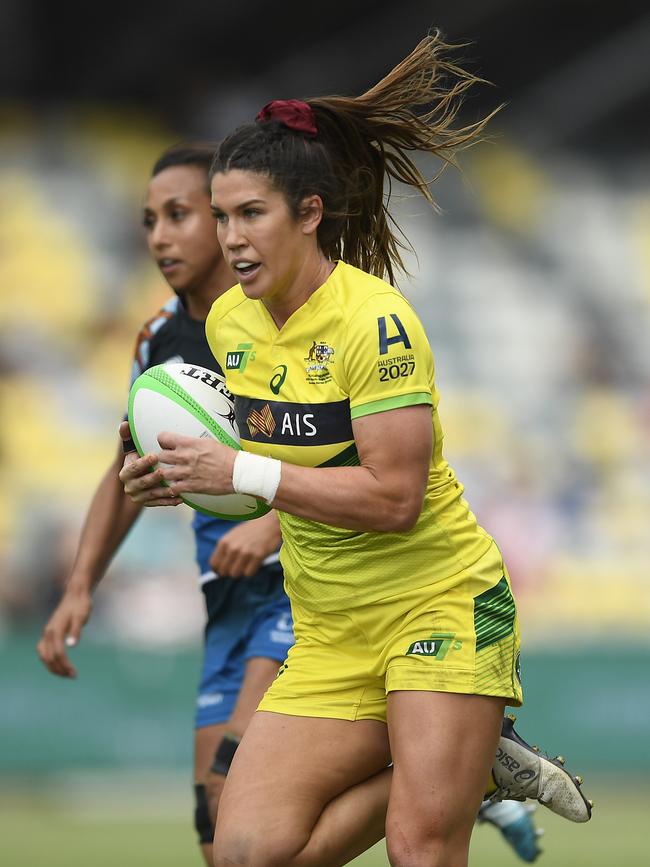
(255, 475)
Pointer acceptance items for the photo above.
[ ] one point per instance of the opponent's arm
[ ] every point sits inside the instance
(243, 549)
(385, 493)
(110, 516)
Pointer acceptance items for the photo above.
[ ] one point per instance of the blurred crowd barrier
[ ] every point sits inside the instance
(533, 284)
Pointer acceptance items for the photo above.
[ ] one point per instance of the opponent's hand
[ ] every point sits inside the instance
(62, 630)
(242, 550)
(142, 480)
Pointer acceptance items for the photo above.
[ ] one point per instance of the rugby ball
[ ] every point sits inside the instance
(194, 401)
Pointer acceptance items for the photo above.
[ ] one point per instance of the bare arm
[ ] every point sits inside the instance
(110, 516)
(243, 549)
(385, 493)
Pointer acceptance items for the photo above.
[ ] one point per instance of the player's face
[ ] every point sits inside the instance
(181, 232)
(262, 242)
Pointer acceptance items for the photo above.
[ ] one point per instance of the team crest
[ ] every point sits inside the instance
(261, 421)
(319, 356)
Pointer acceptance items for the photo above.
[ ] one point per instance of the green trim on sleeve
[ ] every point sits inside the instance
(391, 403)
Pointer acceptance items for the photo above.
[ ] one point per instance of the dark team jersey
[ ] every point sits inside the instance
(172, 335)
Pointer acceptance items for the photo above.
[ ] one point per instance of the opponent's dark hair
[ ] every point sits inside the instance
(199, 154)
(362, 142)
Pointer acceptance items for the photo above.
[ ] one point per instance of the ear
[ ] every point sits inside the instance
(311, 214)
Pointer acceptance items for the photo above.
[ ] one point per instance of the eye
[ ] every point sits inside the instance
(220, 217)
(148, 221)
(178, 214)
(251, 212)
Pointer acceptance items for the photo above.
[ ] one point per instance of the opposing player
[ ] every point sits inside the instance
(248, 620)
(407, 641)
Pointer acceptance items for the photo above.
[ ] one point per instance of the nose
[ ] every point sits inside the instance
(158, 236)
(232, 237)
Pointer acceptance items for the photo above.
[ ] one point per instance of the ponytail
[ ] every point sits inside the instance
(359, 144)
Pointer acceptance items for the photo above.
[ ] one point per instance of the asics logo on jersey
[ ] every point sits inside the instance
(277, 380)
(438, 644)
(237, 359)
(384, 340)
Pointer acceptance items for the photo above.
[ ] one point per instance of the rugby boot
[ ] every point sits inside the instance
(521, 771)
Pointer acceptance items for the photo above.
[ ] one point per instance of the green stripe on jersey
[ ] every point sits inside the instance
(349, 457)
(391, 403)
(494, 614)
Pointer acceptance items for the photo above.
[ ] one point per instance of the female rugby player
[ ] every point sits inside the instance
(386, 715)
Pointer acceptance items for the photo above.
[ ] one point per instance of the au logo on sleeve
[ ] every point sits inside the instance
(438, 645)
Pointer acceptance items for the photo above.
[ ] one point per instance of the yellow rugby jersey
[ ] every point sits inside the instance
(356, 347)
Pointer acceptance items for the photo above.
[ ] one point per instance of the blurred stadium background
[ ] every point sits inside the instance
(533, 283)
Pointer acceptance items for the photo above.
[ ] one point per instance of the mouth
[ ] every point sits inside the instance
(246, 270)
(167, 265)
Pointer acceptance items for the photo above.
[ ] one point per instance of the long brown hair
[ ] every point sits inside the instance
(361, 143)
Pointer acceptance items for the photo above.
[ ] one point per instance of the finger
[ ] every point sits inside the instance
(219, 557)
(167, 501)
(163, 496)
(170, 440)
(137, 467)
(53, 655)
(146, 482)
(253, 565)
(233, 562)
(74, 633)
(124, 430)
(169, 457)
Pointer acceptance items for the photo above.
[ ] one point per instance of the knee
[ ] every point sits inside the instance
(234, 847)
(423, 847)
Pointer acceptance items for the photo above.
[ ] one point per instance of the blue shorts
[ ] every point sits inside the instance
(246, 618)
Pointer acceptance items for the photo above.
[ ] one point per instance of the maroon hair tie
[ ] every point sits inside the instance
(294, 113)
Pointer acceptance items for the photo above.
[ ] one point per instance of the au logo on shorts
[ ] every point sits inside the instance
(438, 645)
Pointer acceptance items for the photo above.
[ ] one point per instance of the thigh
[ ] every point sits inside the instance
(443, 746)
(287, 768)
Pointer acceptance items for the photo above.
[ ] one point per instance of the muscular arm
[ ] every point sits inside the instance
(110, 516)
(384, 494)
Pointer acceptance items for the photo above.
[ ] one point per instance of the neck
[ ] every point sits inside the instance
(310, 277)
(199, 301)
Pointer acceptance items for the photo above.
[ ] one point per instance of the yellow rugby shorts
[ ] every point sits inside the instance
(459, 635)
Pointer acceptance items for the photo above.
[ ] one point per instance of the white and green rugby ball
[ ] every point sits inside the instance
(194, 401)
